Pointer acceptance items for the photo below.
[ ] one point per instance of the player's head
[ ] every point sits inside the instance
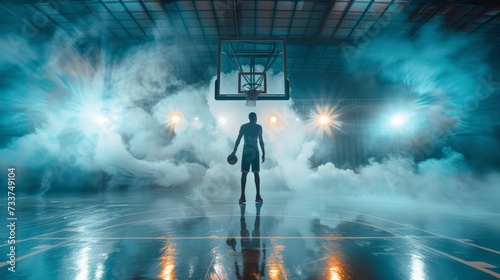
(252, 117)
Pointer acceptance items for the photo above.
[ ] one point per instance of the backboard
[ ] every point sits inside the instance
(252, 65)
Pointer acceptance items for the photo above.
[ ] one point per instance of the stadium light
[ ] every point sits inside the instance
(324, 120)
(175, 119)
(398, 120)
(100, 119)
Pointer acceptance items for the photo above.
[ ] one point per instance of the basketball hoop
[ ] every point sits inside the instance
(251, 92)
(251, 96)
(257, 66)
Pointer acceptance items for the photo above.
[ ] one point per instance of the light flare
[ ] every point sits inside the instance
(175, 119)
(325, 119)
(399, 119)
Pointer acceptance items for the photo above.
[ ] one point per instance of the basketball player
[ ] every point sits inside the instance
(250, 132)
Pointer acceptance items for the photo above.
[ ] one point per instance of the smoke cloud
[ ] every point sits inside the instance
(86, 119)
(443, 81)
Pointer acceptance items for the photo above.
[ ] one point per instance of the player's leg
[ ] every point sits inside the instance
(256, 170)
(257, 182)
(245, 167)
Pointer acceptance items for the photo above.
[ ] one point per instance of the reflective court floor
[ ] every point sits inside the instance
(171, 235)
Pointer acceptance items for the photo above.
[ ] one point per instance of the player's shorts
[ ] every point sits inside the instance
(250, 158)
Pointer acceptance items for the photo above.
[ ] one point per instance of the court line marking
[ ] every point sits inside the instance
(115, 218)
(473, 265)
(195, 217)
(31, 238)
(459, 240)
(160, 210)
(225, 216)
(234, 236)
(20, 258)
(39, 237)
(218, 216)
(462, 261)
(171, 218)
(457, 259)
(406, 226)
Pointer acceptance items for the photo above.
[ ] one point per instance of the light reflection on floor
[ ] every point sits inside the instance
(166, 235)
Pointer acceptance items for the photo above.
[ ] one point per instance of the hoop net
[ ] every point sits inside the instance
(251, 92)
(251, 96)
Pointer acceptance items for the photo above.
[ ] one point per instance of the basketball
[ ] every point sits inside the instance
(230, 241)
(232, 159)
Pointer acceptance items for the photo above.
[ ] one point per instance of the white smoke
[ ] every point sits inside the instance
(89, 114)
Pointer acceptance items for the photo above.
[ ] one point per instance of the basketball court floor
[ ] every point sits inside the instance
(170, 234)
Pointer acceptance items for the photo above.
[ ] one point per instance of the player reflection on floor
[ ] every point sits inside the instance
(250, 248)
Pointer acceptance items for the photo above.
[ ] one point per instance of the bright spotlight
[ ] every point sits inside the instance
(100, 119)
(175, 119)
(222, 120)
(324, 120)
(274, 119)
(398, 120)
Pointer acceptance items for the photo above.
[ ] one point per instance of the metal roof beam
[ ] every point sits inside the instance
(324, 17)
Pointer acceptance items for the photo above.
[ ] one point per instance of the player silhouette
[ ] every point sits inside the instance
(250, 132)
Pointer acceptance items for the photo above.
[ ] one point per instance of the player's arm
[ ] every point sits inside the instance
(261, 143)
(240, 134)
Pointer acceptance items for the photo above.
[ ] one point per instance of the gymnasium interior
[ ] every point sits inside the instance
(380, 121)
